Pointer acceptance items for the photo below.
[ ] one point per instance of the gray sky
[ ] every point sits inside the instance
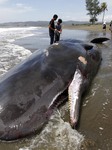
(34, 10)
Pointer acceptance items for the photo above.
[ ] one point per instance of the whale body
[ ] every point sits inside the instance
(30, 90)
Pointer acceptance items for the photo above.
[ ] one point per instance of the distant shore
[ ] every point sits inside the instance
(96, 27)
(66, 25)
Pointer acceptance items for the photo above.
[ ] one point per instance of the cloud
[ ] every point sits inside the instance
(3, 1)
(108, 2)
(16, 9)
(23, 8)
(15, 12)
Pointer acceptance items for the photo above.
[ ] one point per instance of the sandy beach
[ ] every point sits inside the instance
(88, 27)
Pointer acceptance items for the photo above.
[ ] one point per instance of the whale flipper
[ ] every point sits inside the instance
(99, 40)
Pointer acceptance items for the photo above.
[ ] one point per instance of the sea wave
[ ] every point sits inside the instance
(57, 135)
(11, 54)
(11, 34)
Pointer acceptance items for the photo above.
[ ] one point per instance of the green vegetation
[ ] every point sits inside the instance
(103, 8)
(94, 9)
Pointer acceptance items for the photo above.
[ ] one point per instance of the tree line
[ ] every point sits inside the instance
(94, 8)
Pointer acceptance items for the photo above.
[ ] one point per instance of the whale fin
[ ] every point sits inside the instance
(99, 40)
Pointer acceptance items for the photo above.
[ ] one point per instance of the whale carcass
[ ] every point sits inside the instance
(30, 90)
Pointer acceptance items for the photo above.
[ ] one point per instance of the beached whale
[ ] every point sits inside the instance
(31, 90)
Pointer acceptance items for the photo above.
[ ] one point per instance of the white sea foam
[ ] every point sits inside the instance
(57, 134)
(11, 54)
(10, 34)
(18, 29)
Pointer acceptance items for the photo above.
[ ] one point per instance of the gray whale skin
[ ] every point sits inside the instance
(29, 92)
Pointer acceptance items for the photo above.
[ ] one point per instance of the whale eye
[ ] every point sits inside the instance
(92, 55)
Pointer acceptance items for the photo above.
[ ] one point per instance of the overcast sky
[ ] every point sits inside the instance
(35, 10)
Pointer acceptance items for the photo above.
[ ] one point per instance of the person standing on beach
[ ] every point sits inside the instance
(52, 28)
(58, 30)
(104, 26)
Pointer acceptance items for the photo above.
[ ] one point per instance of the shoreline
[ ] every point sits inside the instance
(87, 27)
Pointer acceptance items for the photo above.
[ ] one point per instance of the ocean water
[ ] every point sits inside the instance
(94, 131)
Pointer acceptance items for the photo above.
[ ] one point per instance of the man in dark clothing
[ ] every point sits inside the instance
(52, 28)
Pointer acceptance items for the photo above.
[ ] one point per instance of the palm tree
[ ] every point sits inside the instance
(103, 8)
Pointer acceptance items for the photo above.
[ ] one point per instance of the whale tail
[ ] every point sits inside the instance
(99, 40)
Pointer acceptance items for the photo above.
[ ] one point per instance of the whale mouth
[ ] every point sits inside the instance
(72, 93)
(74, 96)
